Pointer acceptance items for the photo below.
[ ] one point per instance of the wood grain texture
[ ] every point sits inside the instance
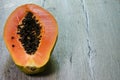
(88, 45)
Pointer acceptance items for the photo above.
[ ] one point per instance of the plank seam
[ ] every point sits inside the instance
(91, 51)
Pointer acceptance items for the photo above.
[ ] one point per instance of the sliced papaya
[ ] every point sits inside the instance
(30, 34)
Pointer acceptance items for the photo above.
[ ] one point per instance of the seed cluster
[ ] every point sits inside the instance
(29, 32)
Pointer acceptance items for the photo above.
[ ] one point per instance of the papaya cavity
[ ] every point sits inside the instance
(29, 32)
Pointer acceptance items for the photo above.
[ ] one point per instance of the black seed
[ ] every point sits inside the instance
(13, 45)
(19, 27)
(36, 20)
(18, 33)
(19, 39)
(29, 32)
(12, 37)
(34, 17)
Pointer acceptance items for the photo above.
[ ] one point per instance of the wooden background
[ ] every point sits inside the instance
(88, 45)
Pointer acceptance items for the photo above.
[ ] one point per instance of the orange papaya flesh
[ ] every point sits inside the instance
(30, 34)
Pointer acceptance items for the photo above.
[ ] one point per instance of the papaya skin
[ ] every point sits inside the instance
(28, 70)
(32, 64)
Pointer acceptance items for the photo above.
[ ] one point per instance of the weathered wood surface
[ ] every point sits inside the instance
(88, 45)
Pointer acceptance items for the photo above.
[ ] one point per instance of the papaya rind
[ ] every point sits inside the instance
(27, 70)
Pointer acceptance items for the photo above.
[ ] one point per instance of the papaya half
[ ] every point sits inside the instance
(30, 34)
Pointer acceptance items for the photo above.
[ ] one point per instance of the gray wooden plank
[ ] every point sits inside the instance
(88, 43)
(103, 27)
